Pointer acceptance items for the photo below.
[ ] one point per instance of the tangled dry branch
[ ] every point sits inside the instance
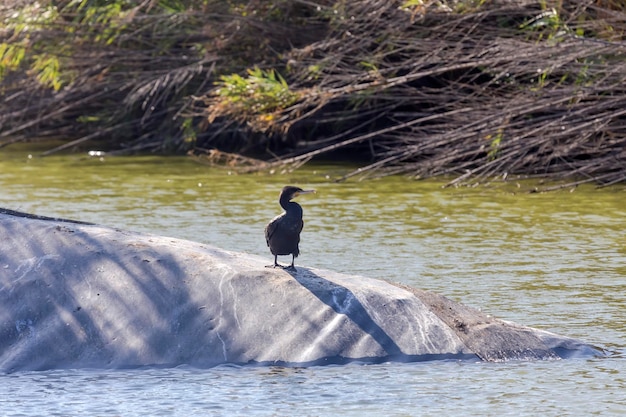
(463, 88)
(458, 95)
(507, 89)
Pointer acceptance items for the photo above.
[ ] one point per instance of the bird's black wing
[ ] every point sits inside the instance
(271, 228)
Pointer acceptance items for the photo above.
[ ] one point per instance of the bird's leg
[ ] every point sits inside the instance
(276, 265)
(292, 266)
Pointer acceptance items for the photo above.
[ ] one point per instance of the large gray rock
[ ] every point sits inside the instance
(80, 295)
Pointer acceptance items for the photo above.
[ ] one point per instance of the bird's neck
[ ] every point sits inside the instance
(291, 207)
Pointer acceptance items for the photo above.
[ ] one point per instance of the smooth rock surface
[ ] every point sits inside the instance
(76, 295)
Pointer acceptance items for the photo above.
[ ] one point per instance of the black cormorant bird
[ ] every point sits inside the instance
(283, 232)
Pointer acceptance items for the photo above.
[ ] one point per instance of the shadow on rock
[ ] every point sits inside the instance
(343, 301)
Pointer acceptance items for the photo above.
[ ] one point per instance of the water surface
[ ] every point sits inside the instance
(556, 261)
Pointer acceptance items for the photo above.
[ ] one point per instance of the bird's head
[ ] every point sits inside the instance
(289, 192)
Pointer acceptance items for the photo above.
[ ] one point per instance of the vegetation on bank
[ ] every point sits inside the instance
(469, 88)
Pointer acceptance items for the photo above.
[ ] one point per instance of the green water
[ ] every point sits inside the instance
(556, 260)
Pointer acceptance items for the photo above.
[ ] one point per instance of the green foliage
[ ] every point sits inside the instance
(369, 66)
(47, 69)
(541, 80)
(189, 132)
(582, 77)
(88, 119)
(407, 4)
(42, 54)
(173, 6)
(314, 71)
(30, 18)
(494, 145)
(256, 99)
(22, 23)
(44, 37)
(104, 21)
(468, 6)
(260, 92)
(11, 56)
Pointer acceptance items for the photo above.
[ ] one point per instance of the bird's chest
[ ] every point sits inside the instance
(291, 224)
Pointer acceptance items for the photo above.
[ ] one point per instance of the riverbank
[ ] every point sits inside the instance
(506, 88)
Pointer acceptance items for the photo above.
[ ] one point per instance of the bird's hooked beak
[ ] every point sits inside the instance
(297, 193)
